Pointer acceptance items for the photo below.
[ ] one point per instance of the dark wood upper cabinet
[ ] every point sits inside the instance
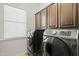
(37, 21)
(58, 15)
(67, 15)
(52, 16)
(43, 19)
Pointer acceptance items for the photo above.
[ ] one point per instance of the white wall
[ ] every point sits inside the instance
(17, 46)
(43, 5)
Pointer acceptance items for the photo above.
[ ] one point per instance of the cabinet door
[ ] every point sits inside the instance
(78, 14)
(67, 15)
(37, 21)
(43, 19)
(52, 16)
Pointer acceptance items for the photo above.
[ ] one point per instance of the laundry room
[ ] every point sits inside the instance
(39, 29)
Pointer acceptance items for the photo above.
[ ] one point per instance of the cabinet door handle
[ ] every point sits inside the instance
(52, 26)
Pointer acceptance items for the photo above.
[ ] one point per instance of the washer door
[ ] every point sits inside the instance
(57, 47)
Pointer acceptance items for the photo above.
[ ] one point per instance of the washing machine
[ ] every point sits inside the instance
(60, 42)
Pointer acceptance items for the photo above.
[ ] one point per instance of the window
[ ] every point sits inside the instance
(14, 22)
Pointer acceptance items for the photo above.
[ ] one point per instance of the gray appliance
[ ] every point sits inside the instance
(60, 42)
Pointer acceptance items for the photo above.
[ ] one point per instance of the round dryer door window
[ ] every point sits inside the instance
(56, 47)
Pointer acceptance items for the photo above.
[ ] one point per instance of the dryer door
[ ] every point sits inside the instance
(57, 47)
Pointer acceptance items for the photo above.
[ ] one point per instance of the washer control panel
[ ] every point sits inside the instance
(65, 33)
(71, 34)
